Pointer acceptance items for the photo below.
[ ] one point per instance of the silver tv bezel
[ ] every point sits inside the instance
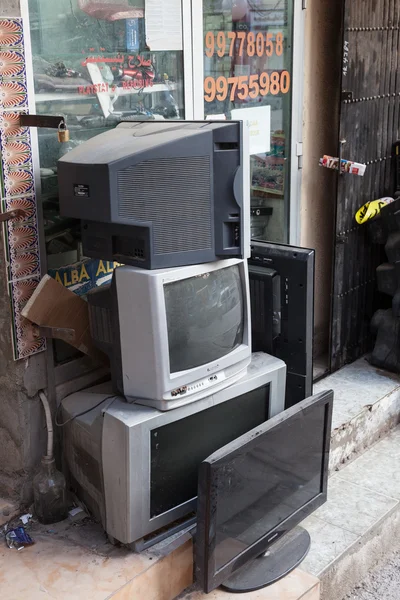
(126, 450)
(144, 344)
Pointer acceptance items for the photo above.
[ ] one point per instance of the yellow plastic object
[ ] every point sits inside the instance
(371, 209)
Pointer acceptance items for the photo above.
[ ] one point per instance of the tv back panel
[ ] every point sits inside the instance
(139, 475)
(255, 490)
(161, 194)
(283, 322)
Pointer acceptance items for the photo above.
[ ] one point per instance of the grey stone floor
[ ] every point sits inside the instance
(383, 583)
(359, 496)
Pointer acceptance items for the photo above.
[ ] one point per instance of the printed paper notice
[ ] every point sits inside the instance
(258, 120)
(163, 22)
(220, 117)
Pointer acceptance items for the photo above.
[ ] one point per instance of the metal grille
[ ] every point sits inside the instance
(100, 324)
(370, 125)
(257, 297)
(179, 207)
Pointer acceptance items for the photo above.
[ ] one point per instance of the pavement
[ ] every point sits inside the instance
(383, 582)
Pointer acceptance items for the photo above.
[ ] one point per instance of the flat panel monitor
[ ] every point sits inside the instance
(255, 490)
(282, 309)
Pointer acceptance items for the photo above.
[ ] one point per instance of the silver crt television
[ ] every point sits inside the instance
(174, 336)
(136, 468)
(161, 194)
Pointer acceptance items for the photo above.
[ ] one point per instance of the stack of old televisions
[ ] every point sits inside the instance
(170, 201)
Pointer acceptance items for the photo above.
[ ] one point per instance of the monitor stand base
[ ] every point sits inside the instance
(281, 558)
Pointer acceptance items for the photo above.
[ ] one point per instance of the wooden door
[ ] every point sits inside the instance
(370, 125)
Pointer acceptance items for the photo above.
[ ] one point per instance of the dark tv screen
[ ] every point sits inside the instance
(177, 449)
(205, 318)
(260, 486)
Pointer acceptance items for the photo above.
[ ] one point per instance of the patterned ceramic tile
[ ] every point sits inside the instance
(21, 237)
(26, 203)
(17, 187)
(12, 64)
(11, 33)
(27, 342)
(22, 290)
(25, 264)
(10, 127)
(17, 182)
(13, 94)
(24, 334)
(16, 153)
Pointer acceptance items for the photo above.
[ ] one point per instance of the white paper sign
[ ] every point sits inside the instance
(163, 22)
(220, 117)
(258, 120)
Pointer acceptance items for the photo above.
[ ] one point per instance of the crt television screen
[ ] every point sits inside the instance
(174, 466)
(259, 489)
(205, 317)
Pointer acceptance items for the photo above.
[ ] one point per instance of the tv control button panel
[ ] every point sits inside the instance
(197, 386)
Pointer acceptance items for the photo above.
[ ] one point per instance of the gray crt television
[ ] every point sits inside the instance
(174, 336)
(161, 194)
(136, 468)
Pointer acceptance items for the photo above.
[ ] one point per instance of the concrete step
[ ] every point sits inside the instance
(74, 560)
(349, 534)
(297, 585)
(366, 406)
(360, 523)
(351, 531)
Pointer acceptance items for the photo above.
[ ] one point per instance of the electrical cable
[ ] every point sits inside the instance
(84, 412)
(49, 423)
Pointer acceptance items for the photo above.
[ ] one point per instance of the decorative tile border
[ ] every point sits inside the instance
(17, 186)
(24, 339)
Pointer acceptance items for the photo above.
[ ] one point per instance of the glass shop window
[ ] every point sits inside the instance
(248, 75)
(97, 63)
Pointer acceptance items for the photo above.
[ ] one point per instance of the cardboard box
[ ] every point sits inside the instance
(52, 305)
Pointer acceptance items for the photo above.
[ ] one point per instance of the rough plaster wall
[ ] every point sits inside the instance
(320, 136)
(22, 427)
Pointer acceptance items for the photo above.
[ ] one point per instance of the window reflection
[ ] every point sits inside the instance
(248, 64)
(97, 62)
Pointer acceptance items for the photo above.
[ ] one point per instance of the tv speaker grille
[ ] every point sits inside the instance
(180, 209)
(100, 324)
(257, 302)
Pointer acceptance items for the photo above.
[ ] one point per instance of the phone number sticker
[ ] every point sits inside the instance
(248, 43)
(243, 87)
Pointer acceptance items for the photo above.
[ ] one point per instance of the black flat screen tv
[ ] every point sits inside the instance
(257, 489)
(282, 311)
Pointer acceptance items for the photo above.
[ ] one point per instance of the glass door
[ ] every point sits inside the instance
(97, 63)
(247, 74)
